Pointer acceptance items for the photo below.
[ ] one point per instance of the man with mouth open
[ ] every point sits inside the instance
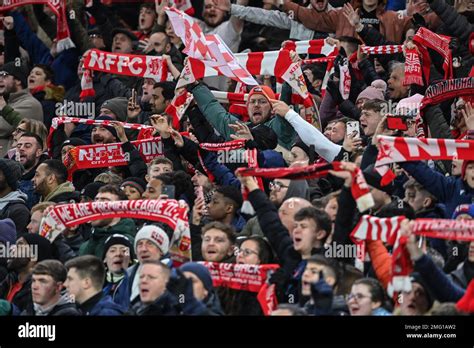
(259, 107)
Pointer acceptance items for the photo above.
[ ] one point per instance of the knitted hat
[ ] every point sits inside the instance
(109, 128)
(409, 106)
(73, 142)
(376, 90)
(126, 32)
(299, 143)
(7, 231)
(118, 239)
(136, 183)
(12, 170)
(91, 189)
(118, 106)
(467, 209)
(265, 137)
(154, 234)
(45, 250)
(199, 271)
(17, 72)
(266, 91)
(416, 277)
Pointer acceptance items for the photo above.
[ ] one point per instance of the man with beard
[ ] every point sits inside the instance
(50, 182)
(14, 85)
(104, 134)
(30, 154)
(16, 287)
(13, 201)
(259, 108)
(47, 282)
(163, 94)
(104, 228)
(159, 44)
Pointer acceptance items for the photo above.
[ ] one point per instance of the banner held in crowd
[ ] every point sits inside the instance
(173, 213)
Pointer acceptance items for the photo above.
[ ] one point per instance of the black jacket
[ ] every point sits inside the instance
(61, 309)
(22, 298)
(166, 304)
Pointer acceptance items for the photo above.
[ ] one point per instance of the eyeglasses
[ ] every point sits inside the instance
(19, 130)
(95, 36)
(357, 297)
(277, 186)
(3, 74)
(258, 102)
(245, 252)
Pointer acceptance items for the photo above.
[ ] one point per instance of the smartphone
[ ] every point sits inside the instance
(397, 123)
(353, 129)
(169, 191)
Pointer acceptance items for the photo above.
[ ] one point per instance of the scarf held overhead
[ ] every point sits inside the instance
(145, 131)
(359, 189)
(58, 7)
(400, 149)
(109, 155)
(172, 212)
(253, 278)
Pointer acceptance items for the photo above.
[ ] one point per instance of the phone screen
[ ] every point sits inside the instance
(169, 191)
(352, 129)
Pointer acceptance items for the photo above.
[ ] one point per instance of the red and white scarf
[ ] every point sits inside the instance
(171, 212)
(387, 231)
(253, 278)
(413, 72)
(206, 53)
(312, 47)
(359, 189)
(58, 7)
(121, 64)
(424, 39)
(145, 131)
(109, 155)
(400, 149)
(178, 107)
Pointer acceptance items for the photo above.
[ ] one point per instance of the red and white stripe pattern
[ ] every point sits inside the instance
(312, 47)
(207, 54)
(178, 107)
(386, 230)
(387, 49)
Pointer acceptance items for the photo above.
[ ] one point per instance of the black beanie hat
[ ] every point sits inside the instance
(12, 170)
(45, 251)
(109, 128)
(121, 240)
(91, 189)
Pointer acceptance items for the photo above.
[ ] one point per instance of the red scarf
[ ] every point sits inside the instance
(413, 74)
(59, 9)
(387, 231)
(109, 155)
(400, 149)
(359, 189)
(424, 39)
(145, 131)
(253, 278)
(168, 211)
(121, 64)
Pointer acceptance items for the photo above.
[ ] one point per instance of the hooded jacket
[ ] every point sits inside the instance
(96, 243)
(64, 307)
(13, 206)
(63, 192)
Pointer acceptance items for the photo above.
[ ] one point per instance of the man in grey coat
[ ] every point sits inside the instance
(16, 103)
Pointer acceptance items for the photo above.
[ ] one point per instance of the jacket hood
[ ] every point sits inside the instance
(297, 188)
(14, 196)
(65, 187)
(272, 159)
(124, 226)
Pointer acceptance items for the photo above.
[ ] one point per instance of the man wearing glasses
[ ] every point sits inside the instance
(15, 103)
